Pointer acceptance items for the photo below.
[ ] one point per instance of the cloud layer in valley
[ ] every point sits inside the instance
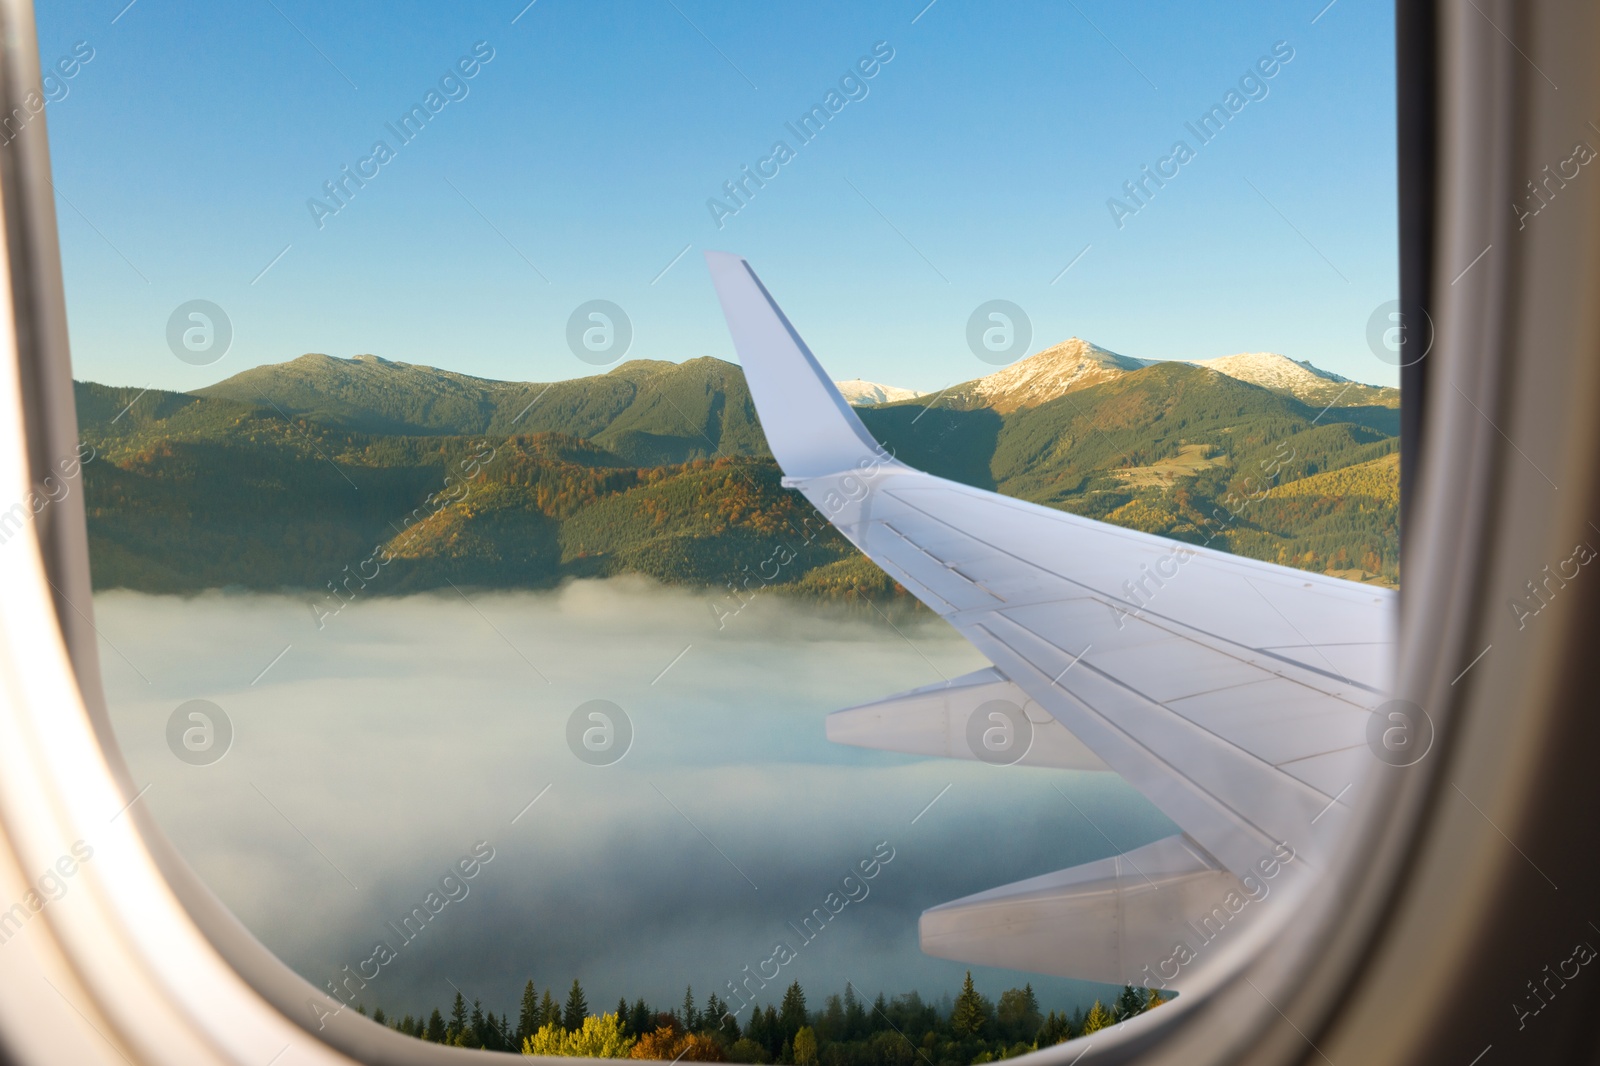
(374, 754)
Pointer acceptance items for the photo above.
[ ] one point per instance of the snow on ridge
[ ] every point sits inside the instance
(1271, 370)
(1077, 364)
(868, 393)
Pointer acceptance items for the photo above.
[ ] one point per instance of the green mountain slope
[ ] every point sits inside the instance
(372, 395)
(692, 410)
(646, 411)
(1094, 439)
(1181, 451)
(297, 477)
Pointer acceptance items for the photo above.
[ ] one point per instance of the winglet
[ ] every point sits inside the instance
(810, 428)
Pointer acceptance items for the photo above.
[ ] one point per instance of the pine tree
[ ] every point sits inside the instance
(775, 1042)
(1130, 1002)
(549, 1013)
(640, 1021)
(528, 1017)
(458, 1019)
(879, 1018)
(577, 1009)
(966, 1018)
(715, 1013)
(478, 1029)
(756, 1027)
(1054, 1030)
(856, 1025)
(829, 1022)
(379, 1017)
(436, 1030)
(1097, 1020)
(622, 1018)
(792, 1013)
(691, 1017)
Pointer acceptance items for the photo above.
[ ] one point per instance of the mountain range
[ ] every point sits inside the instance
(646, 411)
(287, 476)
(1077, 364)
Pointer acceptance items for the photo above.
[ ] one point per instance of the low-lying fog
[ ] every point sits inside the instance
(381, 748)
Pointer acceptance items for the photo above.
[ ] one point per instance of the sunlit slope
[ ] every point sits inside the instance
(281, 477)
(647, 411)
(1182, 451)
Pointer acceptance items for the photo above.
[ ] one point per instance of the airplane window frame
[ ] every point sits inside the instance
(40, 312)
(223, 997)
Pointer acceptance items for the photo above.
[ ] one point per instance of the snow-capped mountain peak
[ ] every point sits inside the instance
(1079, 364)
(1066, 367)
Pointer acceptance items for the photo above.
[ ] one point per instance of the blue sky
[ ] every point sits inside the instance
(580, 161)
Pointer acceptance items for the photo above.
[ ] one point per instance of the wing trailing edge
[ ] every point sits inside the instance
(1139, 918)
(981, 715)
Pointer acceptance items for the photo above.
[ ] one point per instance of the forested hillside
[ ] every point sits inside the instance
(645, 411)
(334, 475)
(845, 1031)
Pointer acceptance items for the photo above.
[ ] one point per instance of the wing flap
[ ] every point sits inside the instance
(1136, 918)
(936, 720)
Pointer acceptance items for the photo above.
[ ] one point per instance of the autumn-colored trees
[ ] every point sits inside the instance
(845, 1031)
(595, 1037)
(669, 1043)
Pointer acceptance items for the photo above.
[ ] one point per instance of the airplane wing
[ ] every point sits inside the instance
(1235, 694)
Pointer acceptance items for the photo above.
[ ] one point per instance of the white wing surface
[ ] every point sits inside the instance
(1235, 694)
